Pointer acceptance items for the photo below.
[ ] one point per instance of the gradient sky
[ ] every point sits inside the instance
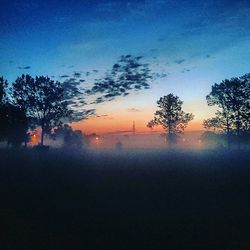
(195, 43)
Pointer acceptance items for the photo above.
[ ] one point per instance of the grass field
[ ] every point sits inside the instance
(135, 199)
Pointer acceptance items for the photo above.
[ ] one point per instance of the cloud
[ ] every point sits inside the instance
(82, 115)
(160, 75)
(185, 70)
(25, 67)
(77, 74)
(134, 110)
(64, 76)
(101, 116)
(105, 117)
(180, 61)
(98, 100)
(128, 74)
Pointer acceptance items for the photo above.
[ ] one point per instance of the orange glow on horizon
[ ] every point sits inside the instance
(118, 116)
(122, 124)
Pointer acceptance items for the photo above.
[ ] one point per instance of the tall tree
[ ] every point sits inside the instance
(245, 108)
(232, 97)
(3, 86)
(213, 123)
(3, 114)
(13, 125)
(171, 116)
(13, 120)
(43, 100)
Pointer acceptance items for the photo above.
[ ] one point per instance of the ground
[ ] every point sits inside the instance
(135, 199)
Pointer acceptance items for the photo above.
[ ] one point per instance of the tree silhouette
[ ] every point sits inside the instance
(245, 107)
(3, 113)
(3, 86)
(171, 116)
(151, 124)
(71, 138)
(13, 120)
(13, 125)
(232, 98)
(45, 102)
(213, 123)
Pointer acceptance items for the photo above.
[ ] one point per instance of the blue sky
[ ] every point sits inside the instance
(195, 43)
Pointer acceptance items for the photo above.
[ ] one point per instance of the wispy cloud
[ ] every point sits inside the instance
(104, 116)
(24, 67)
(185, 70)
(133, 110)
(128, 74)
(180, 61)
(77, 74)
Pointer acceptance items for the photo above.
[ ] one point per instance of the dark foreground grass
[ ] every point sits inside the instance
(125, 200)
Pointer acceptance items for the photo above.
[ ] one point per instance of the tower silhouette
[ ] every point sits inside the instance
(133, 128)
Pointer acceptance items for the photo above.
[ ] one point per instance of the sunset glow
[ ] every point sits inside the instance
(125, 124)
(188, 46)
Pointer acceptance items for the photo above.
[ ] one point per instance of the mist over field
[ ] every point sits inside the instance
(125, 199)
(156, 140)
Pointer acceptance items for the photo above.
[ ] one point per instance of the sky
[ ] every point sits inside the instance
(192, 44)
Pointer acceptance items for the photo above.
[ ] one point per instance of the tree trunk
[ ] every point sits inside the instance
(228, 135)
(42, 136)
(168, 136)
(238, 130)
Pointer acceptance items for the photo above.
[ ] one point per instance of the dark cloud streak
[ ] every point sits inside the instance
(133, 110)
(128, 74)
(25, 67)
(180, 61)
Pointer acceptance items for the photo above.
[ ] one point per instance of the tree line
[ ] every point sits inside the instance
(31, 103)
(232, 98)
(40, 102)
(232, 118)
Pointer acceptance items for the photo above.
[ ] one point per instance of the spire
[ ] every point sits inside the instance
(133, 129)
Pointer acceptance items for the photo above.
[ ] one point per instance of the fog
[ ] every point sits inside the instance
(145, 140)
(129, 197)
